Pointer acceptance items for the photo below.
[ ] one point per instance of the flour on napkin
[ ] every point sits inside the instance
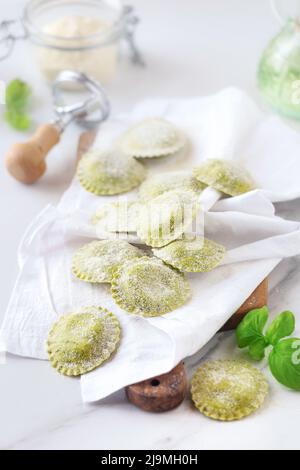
(226, 125)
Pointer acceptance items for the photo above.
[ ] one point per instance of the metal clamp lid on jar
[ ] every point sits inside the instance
(14, 30)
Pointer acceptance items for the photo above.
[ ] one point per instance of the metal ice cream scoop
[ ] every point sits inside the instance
(77, 98)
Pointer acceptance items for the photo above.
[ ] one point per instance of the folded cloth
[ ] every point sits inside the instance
(226, 125)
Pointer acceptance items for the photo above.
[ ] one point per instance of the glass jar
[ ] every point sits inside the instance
(78, 35)
(279, 69)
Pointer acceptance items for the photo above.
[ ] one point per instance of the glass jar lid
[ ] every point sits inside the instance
(109, 22)
(40, 13)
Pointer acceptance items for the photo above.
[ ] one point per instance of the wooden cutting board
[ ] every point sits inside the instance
(167, 391)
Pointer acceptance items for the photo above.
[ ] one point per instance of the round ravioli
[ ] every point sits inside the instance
(167, 217)
(98, 260)
(153, 137)
(81, 341)
(192, 255)
(228, 390)
(149, 288)
(119, 216)
(158, 184)
(110, 171)
(225, 176)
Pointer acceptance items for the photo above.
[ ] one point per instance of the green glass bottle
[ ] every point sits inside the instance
(279, 71)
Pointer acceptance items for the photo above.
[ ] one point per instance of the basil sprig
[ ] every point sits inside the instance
(284, 358)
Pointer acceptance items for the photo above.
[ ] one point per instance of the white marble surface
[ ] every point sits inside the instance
(191, 48)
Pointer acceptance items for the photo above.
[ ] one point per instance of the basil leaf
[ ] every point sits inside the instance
(17, 100)
(257, 349)
(284, 362)
(282, 326)
(17, 94)
(251, 327)
(21, 122)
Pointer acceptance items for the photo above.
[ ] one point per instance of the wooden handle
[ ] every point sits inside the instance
(26, 161)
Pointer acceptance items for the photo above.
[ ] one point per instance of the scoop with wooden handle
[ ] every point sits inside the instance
(27, 161)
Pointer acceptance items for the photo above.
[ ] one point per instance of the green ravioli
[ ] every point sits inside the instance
(167, 217)
(228, 390)
(149, 288)
(98, 260)
(154, 137)
(225, 176)
(158, 184)
(81, 341)
(110, 171)
(192, 255)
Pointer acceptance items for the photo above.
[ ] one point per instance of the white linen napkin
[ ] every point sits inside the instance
(226, 125)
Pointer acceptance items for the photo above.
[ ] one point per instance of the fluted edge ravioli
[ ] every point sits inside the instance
(155, 185)
(98, 260)
(192, 255)
(153, 137)
(81, 341)
(149, 288)
(225, 176)
(167, 217)
(110, 171)
(228, 390)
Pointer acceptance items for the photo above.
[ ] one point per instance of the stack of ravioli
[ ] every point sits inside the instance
(148, 281)
(162, 217)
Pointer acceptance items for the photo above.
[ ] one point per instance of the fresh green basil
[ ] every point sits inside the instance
(284, 362)
(252, 326)
(284, 359)
(257, 349)
(281, 327)
(250, 332)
